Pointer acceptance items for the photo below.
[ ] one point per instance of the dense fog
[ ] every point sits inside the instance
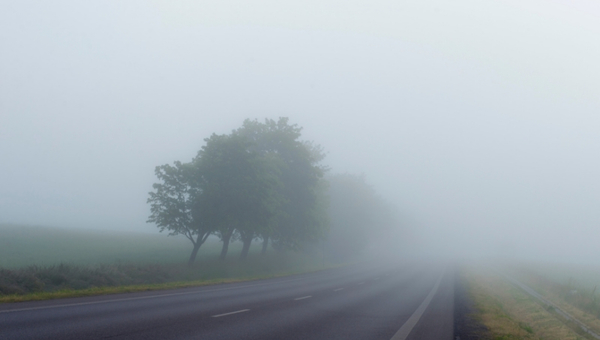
(477, 120)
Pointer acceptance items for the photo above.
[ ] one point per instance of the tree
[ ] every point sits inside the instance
(259, 181)
(174, 204)
(300, 218)
(358, 215)
(239, 188)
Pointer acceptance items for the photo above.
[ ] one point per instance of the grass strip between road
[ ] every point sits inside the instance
(72, 293)
(508, 312)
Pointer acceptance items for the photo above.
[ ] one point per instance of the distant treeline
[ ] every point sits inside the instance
(262, 181)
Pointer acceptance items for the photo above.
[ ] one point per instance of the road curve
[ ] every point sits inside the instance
(357, 302)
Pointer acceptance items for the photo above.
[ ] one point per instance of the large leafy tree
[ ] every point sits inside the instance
(174, 204)
(240, 186)
(300, 217)
(259, 181)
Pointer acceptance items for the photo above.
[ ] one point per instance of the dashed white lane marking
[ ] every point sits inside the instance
(302, 298)
(337, 290)
(361, 283)
(404, 331)
(225, 314)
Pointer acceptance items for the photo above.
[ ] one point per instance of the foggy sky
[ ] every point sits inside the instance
(480, 120)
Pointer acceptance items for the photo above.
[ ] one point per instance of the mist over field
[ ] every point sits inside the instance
(478, 121)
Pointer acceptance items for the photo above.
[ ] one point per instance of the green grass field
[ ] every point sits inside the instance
(22, 246)
(43, 262)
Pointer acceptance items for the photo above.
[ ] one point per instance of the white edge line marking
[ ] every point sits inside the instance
(337, 290)
(404, 331)
(225, 314)
(302, 298)
(198, 291)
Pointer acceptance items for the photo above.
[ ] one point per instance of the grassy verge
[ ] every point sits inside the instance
(510, 313)
(39, 263)
(69, 280)
(70, 293)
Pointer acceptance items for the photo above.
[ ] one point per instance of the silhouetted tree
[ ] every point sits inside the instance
(300, 217)
(174, 204)
(260, 181)
(240, 187)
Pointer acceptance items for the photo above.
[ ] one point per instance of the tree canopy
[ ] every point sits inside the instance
(263, 181)
(174, 204)
(300, 218)
(240, 187)
(259, 181)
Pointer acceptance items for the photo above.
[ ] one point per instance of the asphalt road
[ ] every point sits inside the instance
(358, 302)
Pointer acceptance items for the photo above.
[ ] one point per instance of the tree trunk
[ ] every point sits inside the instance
(194, 253)
(226, 239)
(265, 245)
(247, 242)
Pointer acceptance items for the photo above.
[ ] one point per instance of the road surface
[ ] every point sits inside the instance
(357, 302)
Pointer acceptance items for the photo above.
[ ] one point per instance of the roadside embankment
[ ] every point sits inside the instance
(572, 302)
(61, 281)
(506, 311)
